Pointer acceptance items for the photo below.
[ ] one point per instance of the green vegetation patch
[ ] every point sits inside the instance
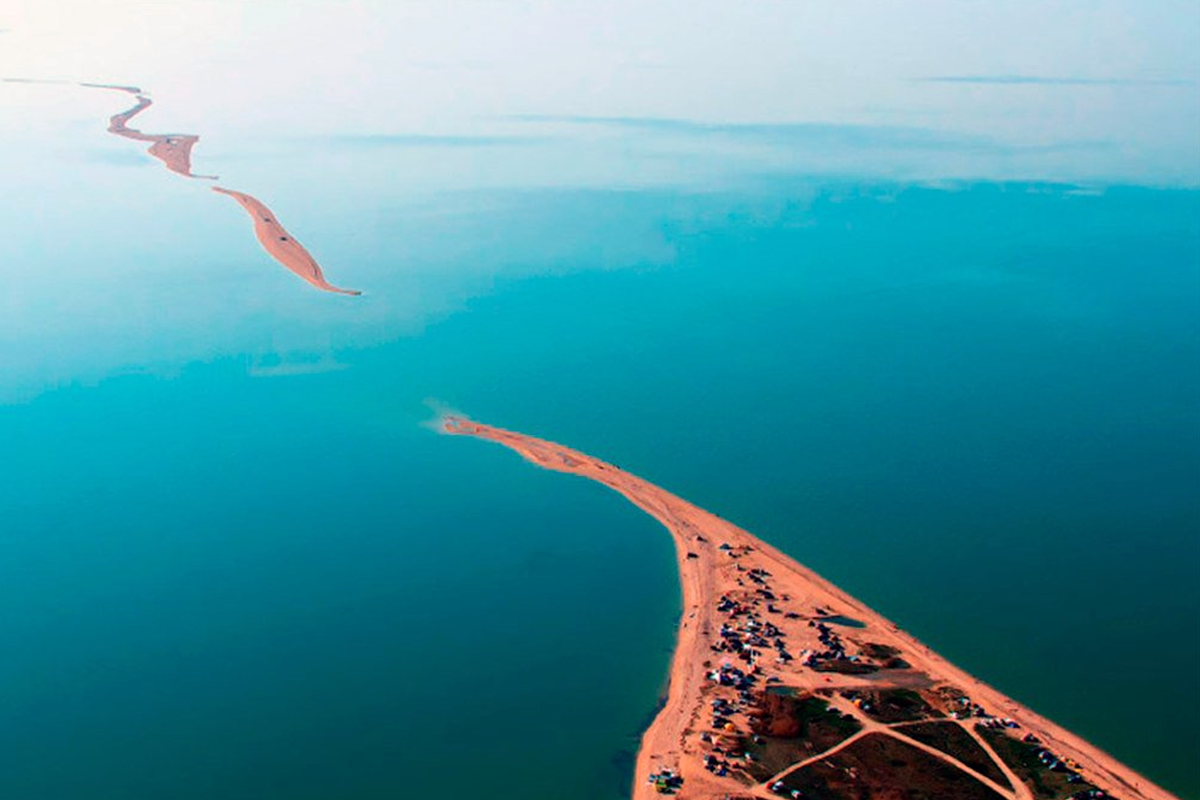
(1022, 758)
(882, 766)
(895, 705)
(886, 655)
(845, 666)
(792, 729)
(951, 739)
(879, 651)
(772, 756)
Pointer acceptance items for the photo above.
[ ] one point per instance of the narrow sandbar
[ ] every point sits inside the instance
(174, 150)
(114, 86)
(280, 244)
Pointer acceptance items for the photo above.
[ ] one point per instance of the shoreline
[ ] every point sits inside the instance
(674, 741)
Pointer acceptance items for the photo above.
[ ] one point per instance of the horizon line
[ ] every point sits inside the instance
(1051, 80)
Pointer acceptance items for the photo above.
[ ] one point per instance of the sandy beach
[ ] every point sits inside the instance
(281, 245)
(726, 575)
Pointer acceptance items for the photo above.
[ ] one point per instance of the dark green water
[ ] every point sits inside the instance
(974, 407)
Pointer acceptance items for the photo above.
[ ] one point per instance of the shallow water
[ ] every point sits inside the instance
(957, 377)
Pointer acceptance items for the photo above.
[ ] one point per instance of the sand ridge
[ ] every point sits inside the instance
(713, 556)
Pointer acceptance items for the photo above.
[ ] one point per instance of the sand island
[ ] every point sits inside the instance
(782, 685)
(281, 245)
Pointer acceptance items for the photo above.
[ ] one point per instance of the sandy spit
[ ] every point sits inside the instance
(673, 740)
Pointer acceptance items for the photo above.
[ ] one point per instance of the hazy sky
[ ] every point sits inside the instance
(1031, 71)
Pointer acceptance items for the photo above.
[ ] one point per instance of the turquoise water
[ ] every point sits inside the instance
(236, 563)
(187, 618)
(217, 582)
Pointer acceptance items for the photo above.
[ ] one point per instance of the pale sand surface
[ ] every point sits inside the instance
(281, 245)
(708, 573)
